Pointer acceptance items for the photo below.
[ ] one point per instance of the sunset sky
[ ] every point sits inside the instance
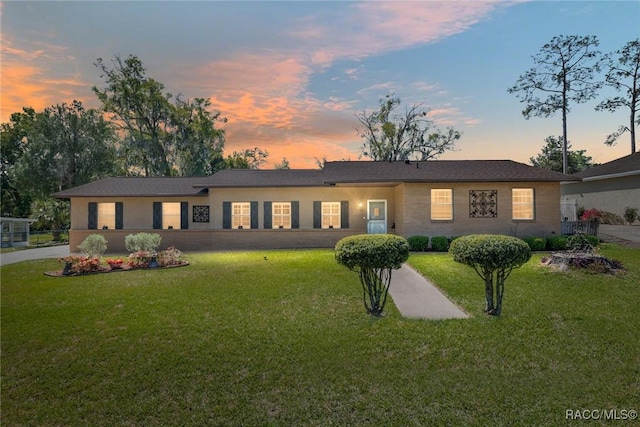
(290, 76)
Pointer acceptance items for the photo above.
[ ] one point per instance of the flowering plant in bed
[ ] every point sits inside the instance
(591, 215)
(80, 265)
(115, 264)
(139, 259)
(170, 256)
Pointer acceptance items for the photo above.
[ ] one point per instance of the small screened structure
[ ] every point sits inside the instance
(15, 231)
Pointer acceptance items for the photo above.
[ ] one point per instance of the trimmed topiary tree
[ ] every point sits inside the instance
(493, 257)
(373, 257)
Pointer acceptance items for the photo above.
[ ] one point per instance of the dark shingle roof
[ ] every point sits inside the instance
(343, 172)
(136, 187)
(438, 171)
(627, 165)
(265, 178)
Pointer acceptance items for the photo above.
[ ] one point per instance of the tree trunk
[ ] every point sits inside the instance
(488, 292)
(632, 129)
(499, 293)
(375, 288)
(565, 140)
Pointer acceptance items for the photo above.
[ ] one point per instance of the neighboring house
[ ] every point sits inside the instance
(260, 209)
(610, 187)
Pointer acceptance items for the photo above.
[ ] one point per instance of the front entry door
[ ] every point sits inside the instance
(376, 216)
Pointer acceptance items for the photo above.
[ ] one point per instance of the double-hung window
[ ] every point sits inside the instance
(522, 203)
(106, 216)
(441, 204)
(330, 214)
(281, 215)
(171, 215)
(240, 215)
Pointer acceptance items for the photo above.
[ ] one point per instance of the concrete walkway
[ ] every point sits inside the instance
(39, 253)
(417, 298)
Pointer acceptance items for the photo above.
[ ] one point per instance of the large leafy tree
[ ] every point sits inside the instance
(162, 136)
(390, 134)
(198, 144)
(623, 74)
(249, 158)
(139, 106)
(63, 146)
(13, 138)
(551, 157)
(67, 146)
(283, 164)
(563, 74)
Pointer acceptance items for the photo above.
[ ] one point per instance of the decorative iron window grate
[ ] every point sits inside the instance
(483, 203)
(201, 213)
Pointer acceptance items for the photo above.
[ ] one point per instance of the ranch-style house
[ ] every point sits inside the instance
(304, 208)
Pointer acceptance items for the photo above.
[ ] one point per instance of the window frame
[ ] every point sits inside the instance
(287, 217)
(331, 220)
(106, 218)
(529, 204)
(241, 220)
(171, 220)
(435, 204)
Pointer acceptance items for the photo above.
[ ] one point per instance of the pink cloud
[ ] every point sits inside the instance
(382, 26)
(264, 94)
(28, 82)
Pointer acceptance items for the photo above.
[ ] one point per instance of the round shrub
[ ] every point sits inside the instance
(593, 240)
(440, 243)
(94, 245)
(557, 243)
(418, 243)
(146, 242)
(491, 251)
(631, 214)
(372, 251)
(536, 243)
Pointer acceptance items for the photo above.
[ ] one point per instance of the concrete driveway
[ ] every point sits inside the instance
(39, 253)
(625, 235)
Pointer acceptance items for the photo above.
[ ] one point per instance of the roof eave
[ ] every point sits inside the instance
(418, 181)
(611, 175)
(69, 196)
(222, 186)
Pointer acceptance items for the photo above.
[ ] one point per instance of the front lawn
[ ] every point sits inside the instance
(237, 339)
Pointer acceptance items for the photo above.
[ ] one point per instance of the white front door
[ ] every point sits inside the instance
(376, 216)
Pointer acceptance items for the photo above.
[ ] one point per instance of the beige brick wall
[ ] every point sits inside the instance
(137, 211)
(418, 207)
(408, 207)
(357, 197)
(208, 240)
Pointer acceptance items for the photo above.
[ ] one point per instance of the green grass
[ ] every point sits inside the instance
(233, 339)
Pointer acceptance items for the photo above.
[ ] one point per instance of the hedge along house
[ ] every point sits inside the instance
(299, 208)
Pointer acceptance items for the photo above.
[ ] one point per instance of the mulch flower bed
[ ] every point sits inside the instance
(83, 266)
